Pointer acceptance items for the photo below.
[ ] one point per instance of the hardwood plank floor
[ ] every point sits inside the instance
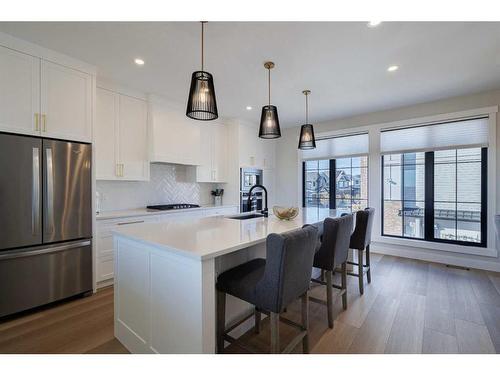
(410, 307)
(77, 326)
(408, 327)
(473, 338)
(435, 342)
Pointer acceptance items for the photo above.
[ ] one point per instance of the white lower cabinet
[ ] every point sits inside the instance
(105, 252)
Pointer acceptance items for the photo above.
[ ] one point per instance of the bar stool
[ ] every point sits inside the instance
(271, 284)
(332, 252)
(360, 240)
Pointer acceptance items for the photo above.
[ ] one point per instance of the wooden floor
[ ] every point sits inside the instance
(410, 307)
(84, 325)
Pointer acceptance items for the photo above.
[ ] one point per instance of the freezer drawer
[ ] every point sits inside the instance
(34, 277)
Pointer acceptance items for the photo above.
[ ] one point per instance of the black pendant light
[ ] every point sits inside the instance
(201, 101)
(307, 140)
(269, 122)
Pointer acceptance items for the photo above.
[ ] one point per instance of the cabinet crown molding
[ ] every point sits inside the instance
(35, 50)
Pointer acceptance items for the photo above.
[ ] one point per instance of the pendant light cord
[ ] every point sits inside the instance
(307, 110)
(269, 86)
(202, 49)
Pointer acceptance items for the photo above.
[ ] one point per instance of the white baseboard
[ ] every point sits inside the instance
(490, 264)
(104, 284)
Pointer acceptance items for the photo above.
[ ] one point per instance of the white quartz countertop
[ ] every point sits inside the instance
(210, 237)
(105, 215)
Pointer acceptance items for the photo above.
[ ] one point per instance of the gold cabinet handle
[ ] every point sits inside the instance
(36, 122)
(119, 170)
(44, 122)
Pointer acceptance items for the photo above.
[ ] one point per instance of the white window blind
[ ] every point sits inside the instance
(329, 148)
(449, 135)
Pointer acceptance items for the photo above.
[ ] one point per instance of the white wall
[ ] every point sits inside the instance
(288, 171)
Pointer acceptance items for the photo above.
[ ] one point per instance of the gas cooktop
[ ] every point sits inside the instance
(177, 206)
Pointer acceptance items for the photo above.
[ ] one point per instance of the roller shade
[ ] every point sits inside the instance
(334, 147)
(449, 135)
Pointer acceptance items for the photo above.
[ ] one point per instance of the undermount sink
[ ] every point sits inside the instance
(245, 217)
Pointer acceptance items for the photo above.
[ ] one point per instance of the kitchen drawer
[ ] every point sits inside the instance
(105, 227)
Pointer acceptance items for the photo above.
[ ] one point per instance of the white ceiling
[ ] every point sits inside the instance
(343, 63)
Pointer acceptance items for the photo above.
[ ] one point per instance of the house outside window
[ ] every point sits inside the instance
(348, 192)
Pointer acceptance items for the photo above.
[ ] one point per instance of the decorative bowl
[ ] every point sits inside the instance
(285, 213)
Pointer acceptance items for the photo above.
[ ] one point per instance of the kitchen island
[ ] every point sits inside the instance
(165, 275)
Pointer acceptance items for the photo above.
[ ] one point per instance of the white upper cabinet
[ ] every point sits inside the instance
(174, 137)
(133, 135)
(254, 151)
(121, 137)
(66, 102)
(106, 134)
(39, 97)
(213, 167)
(19, 92)
(219, 152)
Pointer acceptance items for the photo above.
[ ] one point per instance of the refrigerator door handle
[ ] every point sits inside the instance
(49, 180)
(25, 253)
(35, 193)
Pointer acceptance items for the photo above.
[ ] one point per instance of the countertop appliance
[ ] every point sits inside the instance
(177, 206)
(45, 221)
(248, 178)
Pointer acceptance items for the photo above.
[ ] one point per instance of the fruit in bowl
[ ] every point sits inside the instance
(285, 213)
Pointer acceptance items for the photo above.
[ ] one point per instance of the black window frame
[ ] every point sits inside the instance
(332, 184)
(429, 202)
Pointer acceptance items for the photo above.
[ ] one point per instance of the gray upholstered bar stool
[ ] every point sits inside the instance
(271, 284)
(332, 252)
(360, 240)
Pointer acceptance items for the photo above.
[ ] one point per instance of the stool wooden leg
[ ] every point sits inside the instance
(344, 285)
(360, 271)
(305, 322)
(329, 298)
(275, 333)
(221, 320)
(368, 273)
(257, 321)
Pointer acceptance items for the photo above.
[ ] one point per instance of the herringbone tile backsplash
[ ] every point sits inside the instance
(168, 184)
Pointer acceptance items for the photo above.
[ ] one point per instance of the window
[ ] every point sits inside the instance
(336, 183)
(403, 197)
(457, 195)
(317, 183)
(351, 183)
(436, 195)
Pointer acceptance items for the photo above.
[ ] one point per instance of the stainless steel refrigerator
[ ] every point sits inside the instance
(45, 221)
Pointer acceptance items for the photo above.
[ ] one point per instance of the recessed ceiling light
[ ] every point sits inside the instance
(139, 61)
(392, 68)
(374, 23)
(249, 107)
